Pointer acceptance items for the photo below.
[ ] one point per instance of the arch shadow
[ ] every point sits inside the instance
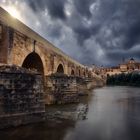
(72, 72)
(33, 62)
(60, 69)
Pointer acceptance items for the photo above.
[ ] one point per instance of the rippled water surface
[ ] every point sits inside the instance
(110, 113)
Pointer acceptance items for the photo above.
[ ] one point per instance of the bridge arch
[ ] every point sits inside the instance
(60, 69)
(84, 73)
(33, 61)
(72, 72)
(79, 73)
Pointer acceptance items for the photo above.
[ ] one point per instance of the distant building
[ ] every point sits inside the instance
(131, 65)
(126, 67)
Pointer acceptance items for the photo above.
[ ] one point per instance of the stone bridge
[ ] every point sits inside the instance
(34, 73)
(21, 46)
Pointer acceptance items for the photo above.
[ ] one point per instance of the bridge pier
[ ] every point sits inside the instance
(61, 89)
(21, 96)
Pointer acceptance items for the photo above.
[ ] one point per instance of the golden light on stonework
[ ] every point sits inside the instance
(13, 12)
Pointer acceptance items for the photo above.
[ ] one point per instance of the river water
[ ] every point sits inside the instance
(109, 113)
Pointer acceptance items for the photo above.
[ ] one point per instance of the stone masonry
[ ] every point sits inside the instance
(35, 73)
(21, 96)
(61, 89)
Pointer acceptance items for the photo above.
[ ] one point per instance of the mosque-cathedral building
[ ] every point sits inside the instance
(126, 67)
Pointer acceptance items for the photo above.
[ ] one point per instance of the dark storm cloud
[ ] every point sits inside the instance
(82, 7)
(84, 33)
(91, 31)
(133, 35)
(55, 7)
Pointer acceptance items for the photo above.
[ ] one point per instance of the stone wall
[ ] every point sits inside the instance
(81, 85)
(61, 89)
(86, 84)
(21, 97)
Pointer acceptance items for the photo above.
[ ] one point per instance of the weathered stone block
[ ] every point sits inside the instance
(21, 96)
(61, 89)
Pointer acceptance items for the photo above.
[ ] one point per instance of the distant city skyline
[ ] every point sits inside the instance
(100, 32)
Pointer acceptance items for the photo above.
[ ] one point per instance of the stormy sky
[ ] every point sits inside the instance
(101, 32)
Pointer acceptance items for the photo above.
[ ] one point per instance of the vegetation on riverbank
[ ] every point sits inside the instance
(130, 79)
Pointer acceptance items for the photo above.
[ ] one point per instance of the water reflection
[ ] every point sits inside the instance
(110, 113)
(113, 115)
(42, 131)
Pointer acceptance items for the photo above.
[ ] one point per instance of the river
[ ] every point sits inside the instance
(108, 113)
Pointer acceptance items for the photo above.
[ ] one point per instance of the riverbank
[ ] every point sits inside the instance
(130, 79)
